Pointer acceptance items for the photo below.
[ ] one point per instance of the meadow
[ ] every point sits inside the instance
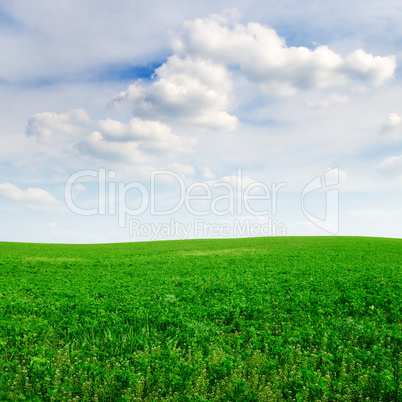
(258, 319)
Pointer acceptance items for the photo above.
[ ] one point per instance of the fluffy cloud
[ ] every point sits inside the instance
(334, 176)
(47, 126)
(192, 91)
(265, 58)
(391, 166)
(393, 126)
(134, 142)
(97, 147)
(33, 198)
(47, 38)
(152, 136)
(197, 84)
(369, 68)
(207, 174)
(113, 140)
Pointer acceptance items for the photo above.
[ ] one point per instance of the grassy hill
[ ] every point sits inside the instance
(259, 319)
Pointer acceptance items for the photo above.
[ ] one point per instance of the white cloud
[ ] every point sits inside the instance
(265, 58)
(67, 38)
(97, 147)
(391, 166)
(197, 84)
(207, 174)
(335, 175)
(132, 142)
(33, 198)
(393, 126)
(47, 126)
(369, 68)
(192, 91)
(330, 100)
(135, 142)
(151, 136)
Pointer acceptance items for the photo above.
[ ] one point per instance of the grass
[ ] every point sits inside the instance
(261, 319)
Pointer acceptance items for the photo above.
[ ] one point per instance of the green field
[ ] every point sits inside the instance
(261, 319)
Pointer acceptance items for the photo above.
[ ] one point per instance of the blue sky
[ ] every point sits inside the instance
(210, 93)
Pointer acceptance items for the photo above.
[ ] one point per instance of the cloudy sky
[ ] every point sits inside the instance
(131, 120)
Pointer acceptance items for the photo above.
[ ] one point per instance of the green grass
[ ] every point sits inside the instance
(262, 319)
